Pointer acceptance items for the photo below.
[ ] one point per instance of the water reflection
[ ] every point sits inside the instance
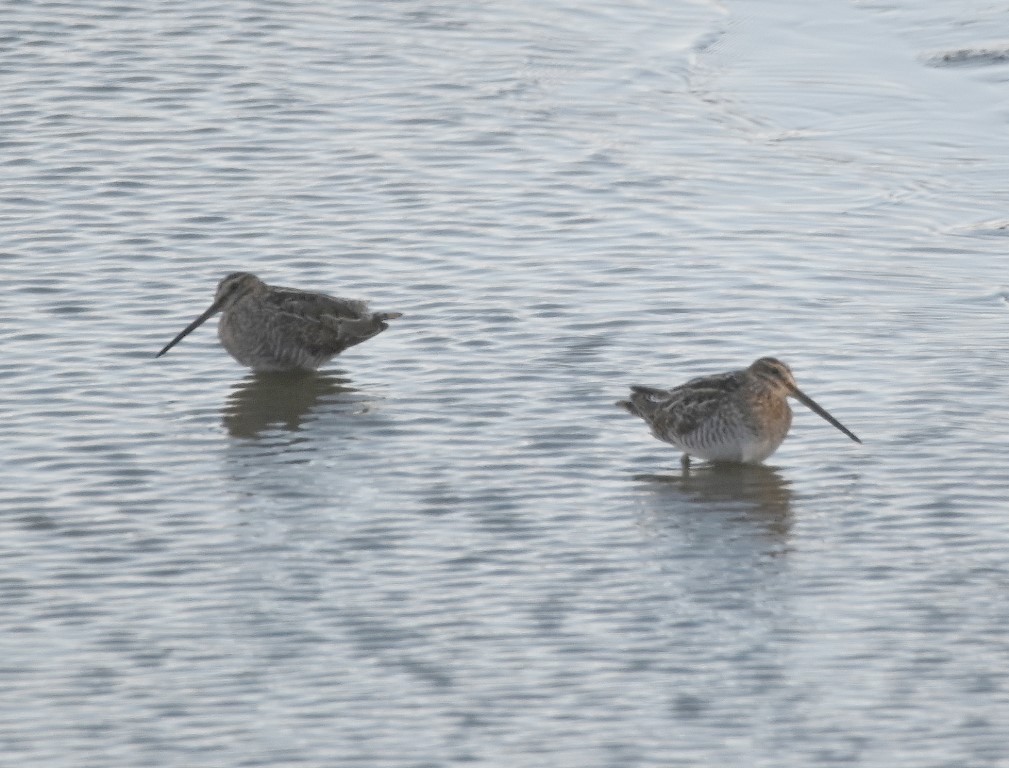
(757, 491)
(265, 400)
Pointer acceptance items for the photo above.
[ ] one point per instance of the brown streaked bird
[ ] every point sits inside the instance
(740, 416)
(269, 328)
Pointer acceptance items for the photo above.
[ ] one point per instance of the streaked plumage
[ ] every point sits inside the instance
(740, 416)
(269, 328)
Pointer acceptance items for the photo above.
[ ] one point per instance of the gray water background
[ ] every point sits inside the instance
(449, 547)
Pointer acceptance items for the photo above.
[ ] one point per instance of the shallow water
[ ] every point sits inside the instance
(449, 546)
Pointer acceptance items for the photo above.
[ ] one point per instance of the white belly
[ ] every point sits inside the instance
(748, 450)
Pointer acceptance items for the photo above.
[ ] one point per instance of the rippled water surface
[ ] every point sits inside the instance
(449, 547)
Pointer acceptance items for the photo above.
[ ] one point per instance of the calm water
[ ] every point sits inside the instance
(450, 547)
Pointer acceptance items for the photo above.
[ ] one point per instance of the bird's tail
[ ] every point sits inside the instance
(350, 331)
(628, 406)
(643, 401)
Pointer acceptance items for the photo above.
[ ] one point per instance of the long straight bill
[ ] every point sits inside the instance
(191, 327)
(810, 403)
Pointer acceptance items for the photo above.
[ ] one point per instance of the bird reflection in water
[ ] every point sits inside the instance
(757, 491)
(264, 401)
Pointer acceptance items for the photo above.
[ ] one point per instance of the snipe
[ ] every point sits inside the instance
(269, 328)
(740, 416)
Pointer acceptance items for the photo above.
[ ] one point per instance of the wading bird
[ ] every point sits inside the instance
(269, 328)
(740, 416)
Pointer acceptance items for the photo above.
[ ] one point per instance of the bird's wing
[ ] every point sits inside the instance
(313, 306)
(321, 324)
(689, 405)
